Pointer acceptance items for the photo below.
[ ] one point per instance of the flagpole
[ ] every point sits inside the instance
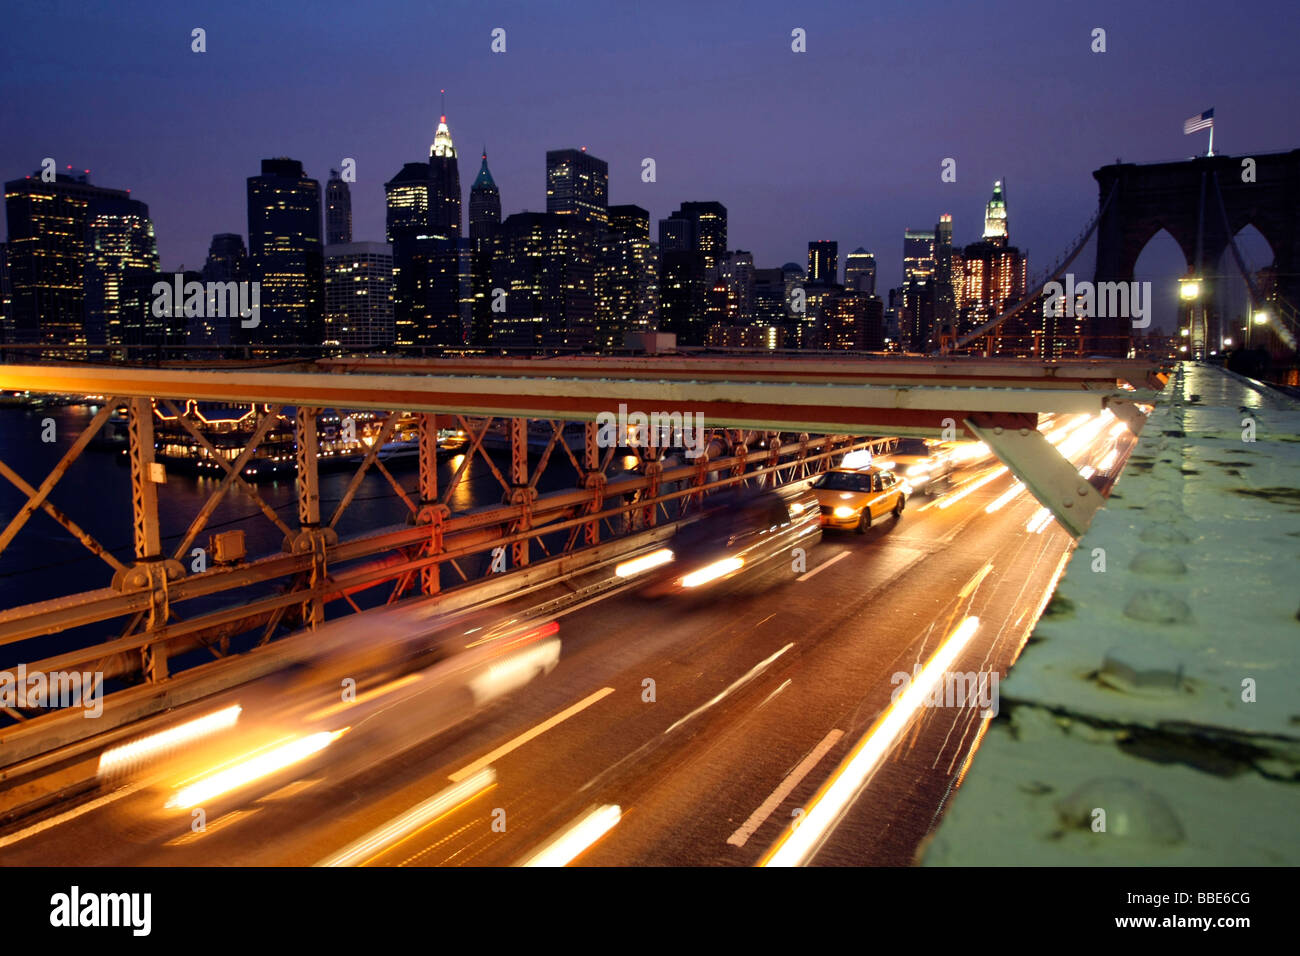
(1211, 152)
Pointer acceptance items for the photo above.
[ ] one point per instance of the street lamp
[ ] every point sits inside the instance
(1189, 289)
(1183, 331)
(1261, 318)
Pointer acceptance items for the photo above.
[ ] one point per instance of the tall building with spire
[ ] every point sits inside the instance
(995, 217)
(484, 224)
(424, 227)
(444, 212)
(995, 273)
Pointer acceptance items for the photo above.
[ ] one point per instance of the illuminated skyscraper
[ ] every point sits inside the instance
(577, 184)
(918, 253)
(286, 254)
(692, 244)
(945, 301)
(738, 273)
(703, 228)
(627, 278)
(120, 243)
(338, 210)
(823, 262)
(444, 175)
(548, 281)
(770, 307)
(851, 321)
(424, 228)
(49, 253)
(994, 273)
(860, 272)
(359, 295)
(484, 223)
(995, 217)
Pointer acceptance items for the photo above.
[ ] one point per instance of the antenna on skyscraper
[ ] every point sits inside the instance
(443, 111)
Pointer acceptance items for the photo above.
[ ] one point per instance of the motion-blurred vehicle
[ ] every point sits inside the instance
(354, 693)
(736, 533)
(922, 463)
(851, 499)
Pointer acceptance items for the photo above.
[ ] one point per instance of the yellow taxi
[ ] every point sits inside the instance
(853, 498)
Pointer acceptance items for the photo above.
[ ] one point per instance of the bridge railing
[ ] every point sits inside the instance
(156, 607)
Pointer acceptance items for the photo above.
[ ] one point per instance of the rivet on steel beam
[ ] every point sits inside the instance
(1132, 811)
(1151, 561)
(1082, 490)
(1140, 669)
(997, 430)
(1157, 607)
(1067, 502)
(1024, 432)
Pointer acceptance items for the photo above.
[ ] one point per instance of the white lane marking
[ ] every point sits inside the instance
(792, 780)
(68, 815)
(738, 682)
(528, 735)
(823, 566)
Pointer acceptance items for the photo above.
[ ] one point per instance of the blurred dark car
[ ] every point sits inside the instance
(737, 533)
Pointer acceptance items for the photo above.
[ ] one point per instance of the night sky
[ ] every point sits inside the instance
(843, 142)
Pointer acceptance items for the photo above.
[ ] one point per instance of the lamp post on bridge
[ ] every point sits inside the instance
(1189, 291)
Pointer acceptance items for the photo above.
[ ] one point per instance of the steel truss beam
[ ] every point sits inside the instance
(1042, 469)
(936, 396)
(460, 536)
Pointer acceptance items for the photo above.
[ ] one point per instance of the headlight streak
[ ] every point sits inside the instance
(844, 511)
(644, 563)
(711, 572)
(803, 838)
(949, 500)
(263, 764)
(566, 847)
(1005, 498)
(1039, 522)
(124, 756)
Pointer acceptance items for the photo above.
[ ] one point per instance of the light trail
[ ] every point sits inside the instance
(278, 757)
(802, 839)
(578, 838)
(439, 805)
(124, 756)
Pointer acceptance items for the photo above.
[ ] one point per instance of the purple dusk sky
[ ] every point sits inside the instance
(842, 142)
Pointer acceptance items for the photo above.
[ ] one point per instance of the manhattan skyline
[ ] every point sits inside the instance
(826, 144)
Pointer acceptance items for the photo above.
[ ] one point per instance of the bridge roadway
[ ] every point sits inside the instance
(715, 767)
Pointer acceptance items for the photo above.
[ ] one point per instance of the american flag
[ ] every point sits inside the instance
(1199, 121)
